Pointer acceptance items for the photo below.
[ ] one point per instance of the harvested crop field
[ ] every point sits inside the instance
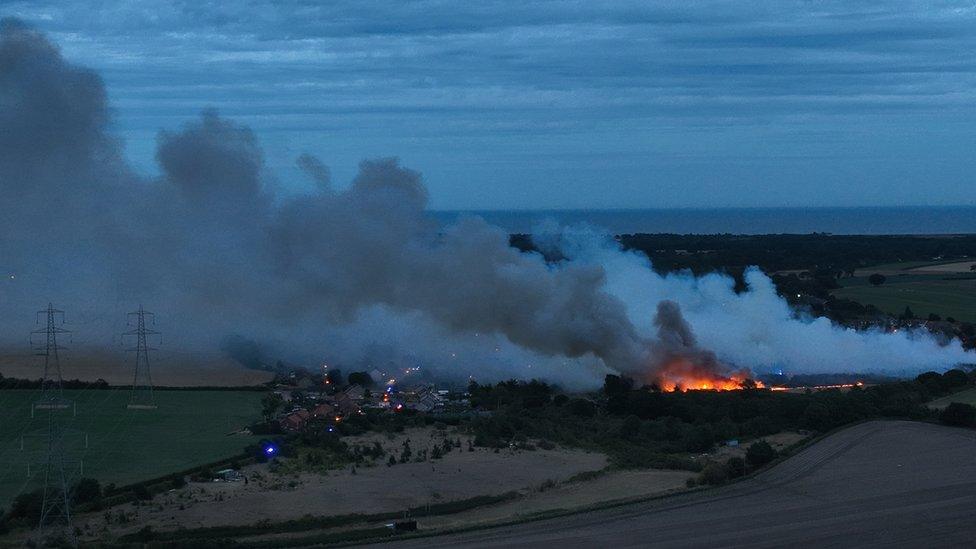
(459, 475)
(876, 484)
(169, 368)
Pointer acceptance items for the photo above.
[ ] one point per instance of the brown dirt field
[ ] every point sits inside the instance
(276, 497)
(169, 368)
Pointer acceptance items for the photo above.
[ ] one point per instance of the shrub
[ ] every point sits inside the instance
(28, 506)
(736, 467)
(760, 453)
(958, 414)
(714, 473)
(582, 407)
(141, 492)
(86, 490)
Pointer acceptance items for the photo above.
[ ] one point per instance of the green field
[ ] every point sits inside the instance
(965, 397)
(188, 428)
(923, 293)
(899, 266)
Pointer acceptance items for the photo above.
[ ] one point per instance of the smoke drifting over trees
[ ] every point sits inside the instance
(357, 274)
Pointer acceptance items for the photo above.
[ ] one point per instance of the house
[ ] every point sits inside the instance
(285, 393)
(295, 421)
(354, 392)
(429, 402)
(345, 405)
(323, 410)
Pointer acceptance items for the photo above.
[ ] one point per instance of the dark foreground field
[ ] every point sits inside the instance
(883, 483)
(189, 428)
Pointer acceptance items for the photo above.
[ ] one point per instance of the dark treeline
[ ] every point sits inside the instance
(707, 253)
(31, 384)
(638, 426)
(13, 383)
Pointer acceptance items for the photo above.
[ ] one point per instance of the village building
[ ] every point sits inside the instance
(323, 410)
(354, 392)
(346, 405)
(295, 421)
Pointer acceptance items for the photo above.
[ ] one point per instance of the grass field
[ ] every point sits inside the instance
(188, 428)
(923, 293)
(966, 397)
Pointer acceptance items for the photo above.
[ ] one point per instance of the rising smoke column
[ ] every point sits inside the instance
(350, 273)
(208, 240)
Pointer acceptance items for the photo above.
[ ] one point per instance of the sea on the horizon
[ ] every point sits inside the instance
(934, 220)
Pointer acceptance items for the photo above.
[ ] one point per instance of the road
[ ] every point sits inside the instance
(883, 483)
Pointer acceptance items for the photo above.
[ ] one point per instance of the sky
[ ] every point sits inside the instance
(539, 105)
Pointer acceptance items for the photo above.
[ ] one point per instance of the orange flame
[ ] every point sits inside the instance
(682, 374)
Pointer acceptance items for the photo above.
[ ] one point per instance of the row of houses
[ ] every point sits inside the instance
(354, 399)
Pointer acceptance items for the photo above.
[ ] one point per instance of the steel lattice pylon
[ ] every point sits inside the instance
(142, 388)
(56, 500)
(52, 392)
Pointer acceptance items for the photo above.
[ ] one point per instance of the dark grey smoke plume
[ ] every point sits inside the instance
(207, 243)
(677, 355)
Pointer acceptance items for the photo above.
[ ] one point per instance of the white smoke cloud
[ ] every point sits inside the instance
(756, 329)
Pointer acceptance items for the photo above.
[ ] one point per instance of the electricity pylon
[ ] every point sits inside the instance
(56, 493)
(142, 389)
(52, 391)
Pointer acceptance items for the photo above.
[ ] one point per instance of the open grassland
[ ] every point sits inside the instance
(894, 268)
(965, 397)
(925, 294)
(189, 428)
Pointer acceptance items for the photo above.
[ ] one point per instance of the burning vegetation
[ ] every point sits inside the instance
(682, 365)
(682, 374)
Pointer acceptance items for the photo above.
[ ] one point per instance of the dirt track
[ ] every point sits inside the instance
(891, 484)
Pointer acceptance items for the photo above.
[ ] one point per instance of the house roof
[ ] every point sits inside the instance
(323, 410)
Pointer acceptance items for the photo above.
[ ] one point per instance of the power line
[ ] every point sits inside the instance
(142, 388)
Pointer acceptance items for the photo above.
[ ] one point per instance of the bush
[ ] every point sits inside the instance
(582, 407)
(877, 279)
(714, 473)
(141, 492)
(736, 467)
(28, 506)
(86, 490)
(760, 453)
(958, 414)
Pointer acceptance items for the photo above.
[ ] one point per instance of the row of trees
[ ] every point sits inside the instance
(639, 426)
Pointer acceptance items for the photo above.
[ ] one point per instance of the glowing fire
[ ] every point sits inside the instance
(684, 375)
